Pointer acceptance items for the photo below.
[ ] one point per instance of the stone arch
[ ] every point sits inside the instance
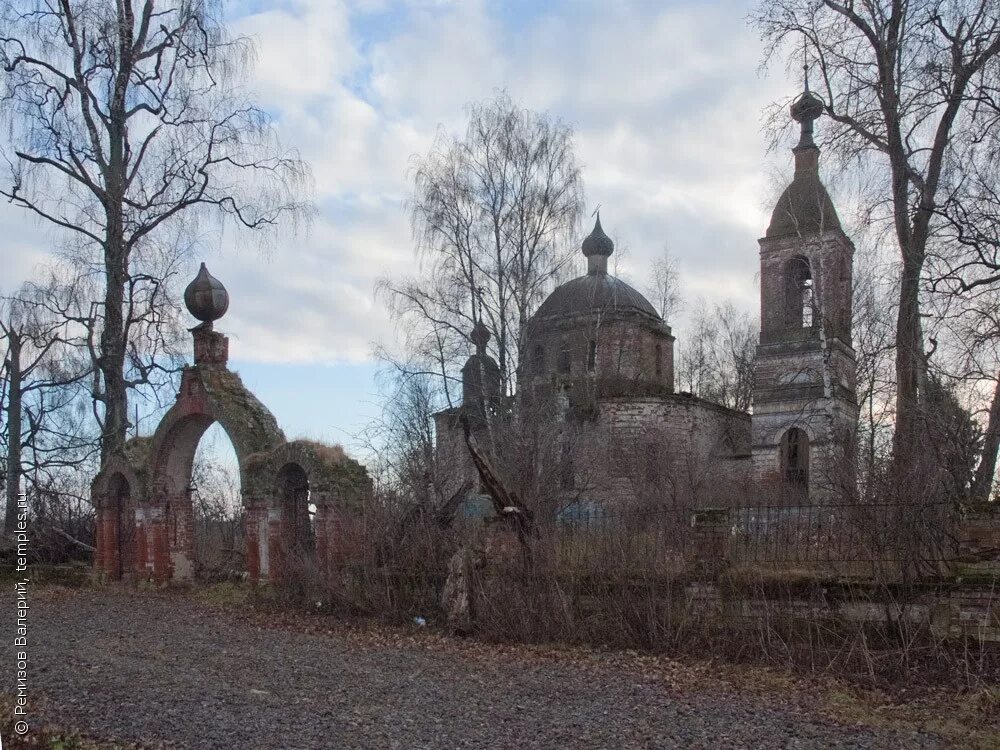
(793, 455)
(207, 395)
(810, 429)
(337, 487)
(270, 468)
(800, 301)
(117, 494)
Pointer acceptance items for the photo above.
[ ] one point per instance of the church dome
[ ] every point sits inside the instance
(205, 297)
(599, 332)
(597, 291)
(597, 242)
(804, 207)
(594, 293)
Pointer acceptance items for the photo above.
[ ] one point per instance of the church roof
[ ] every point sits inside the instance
(597, 291)
(804, 208)
(594, 293)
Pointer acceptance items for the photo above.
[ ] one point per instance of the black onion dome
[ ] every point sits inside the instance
(597, 242)
(594, 293)
(807, 107)
(206, 298)
(481, 379)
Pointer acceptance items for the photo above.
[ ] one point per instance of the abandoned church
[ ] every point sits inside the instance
(598, 361)
(599, 354)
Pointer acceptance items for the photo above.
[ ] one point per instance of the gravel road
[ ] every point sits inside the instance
(154, 668)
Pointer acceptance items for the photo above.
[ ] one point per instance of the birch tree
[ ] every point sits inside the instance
(128, 125)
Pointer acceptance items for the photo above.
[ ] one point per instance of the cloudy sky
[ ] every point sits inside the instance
(666, 100)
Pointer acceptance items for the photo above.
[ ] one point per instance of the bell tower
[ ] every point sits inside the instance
(804, 406)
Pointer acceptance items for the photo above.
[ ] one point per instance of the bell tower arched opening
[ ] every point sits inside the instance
(799, 293)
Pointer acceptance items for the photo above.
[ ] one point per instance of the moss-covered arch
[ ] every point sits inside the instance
(208, 394)
(337, 489)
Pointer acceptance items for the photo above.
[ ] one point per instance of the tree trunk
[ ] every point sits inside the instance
(909, 363)
(113, 335)
(13, 488)
(112, 360)
(986, 470)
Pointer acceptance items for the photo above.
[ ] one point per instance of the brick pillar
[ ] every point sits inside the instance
(275, 543)
(100, 541)
(159, 544)
(109, 542)
(251, 536)
(710, 532)
(180, 530)
(114, 547)
(141, 561)
(321, 529)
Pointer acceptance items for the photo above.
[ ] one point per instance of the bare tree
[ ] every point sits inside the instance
(963, 283)
(665, 286)
(967, 346)
(128, 124)
(44, 368)
(902, 81)
(872, 338)
(717, 356)
(493, 214)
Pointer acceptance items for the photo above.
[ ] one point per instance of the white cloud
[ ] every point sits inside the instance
(665, 100)
(304, 50)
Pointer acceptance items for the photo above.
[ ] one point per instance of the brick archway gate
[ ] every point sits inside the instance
(209, 393)
(145, 512)
(302, 500)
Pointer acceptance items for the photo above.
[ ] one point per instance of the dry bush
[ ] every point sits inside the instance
(633, 580)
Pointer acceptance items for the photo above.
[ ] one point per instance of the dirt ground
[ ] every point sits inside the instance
(160, 670)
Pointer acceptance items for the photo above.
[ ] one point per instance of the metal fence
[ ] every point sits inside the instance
(835, 538)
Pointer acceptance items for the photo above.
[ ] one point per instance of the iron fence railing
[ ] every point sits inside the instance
(845, 537)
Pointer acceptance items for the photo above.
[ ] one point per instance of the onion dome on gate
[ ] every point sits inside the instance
(805, 206)
(206, 298)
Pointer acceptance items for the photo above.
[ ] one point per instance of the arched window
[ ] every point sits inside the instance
(538, 359)
(795, 456)
(658, 353)
(799, 298)
(567, 470)
(565, 359)
(591, 355)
